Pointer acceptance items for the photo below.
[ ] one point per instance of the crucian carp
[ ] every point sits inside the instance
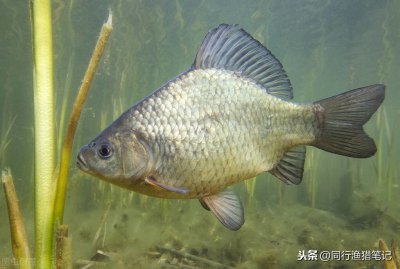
(226, 119)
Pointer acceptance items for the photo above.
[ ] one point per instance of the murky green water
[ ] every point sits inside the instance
(326, 47)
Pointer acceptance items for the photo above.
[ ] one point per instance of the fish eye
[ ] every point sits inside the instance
(105, 151)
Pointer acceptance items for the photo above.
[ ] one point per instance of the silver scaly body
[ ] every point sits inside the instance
(208, 129)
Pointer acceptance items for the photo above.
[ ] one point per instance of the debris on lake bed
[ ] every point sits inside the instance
(128, 241)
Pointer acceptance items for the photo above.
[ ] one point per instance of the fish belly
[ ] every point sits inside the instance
(211, 128)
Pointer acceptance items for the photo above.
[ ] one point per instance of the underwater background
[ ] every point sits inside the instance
(326, 47)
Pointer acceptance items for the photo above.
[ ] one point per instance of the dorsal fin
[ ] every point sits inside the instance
(290, 168)
(231, 48)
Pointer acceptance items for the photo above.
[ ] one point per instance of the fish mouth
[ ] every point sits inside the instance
(81, 163)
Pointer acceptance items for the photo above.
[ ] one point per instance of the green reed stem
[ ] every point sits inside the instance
(44, 130)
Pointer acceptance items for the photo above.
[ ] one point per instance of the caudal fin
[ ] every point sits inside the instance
(341, 119)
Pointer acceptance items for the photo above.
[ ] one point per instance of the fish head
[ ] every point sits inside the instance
(119, 157)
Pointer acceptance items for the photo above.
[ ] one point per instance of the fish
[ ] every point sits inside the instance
(228, 118)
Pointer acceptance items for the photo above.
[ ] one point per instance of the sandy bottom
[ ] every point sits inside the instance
(181, 234)
(127, 230)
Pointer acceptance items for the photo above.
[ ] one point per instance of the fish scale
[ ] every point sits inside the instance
(226, 119)
(231, 122)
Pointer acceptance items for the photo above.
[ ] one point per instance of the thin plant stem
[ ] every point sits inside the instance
(44, 130)
(250, 185)
(102, 224)
(19, 242)
(73, 120)
(388, 264)
(63, 248)
(5, 136)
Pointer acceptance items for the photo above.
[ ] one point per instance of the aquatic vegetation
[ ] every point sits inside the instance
(63, 253)
(44, 131)
(250, 185)
(394, 261)
(311, 172)
(49, 195)
(5, 133)
(20, 246)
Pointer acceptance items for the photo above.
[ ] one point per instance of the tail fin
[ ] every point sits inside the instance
(341, 119)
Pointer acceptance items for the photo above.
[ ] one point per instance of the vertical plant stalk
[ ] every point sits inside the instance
(250, 185)
(73, 120)
(388, 264)
(44, 131)
(63, 248)
(102, 224)
(19, 242)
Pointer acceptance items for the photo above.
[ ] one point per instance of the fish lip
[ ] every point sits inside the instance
(81, 163)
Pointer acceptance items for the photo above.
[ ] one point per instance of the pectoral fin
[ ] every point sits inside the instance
(227, 207)
(153, 182)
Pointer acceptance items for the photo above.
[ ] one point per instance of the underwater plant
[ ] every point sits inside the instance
(44, 130)
(394, 262)
(49, 193)
(5, 136)
(19, 240)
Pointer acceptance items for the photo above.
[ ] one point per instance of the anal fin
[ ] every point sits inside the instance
(227, 207)
(290, 168)
(152, 181)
